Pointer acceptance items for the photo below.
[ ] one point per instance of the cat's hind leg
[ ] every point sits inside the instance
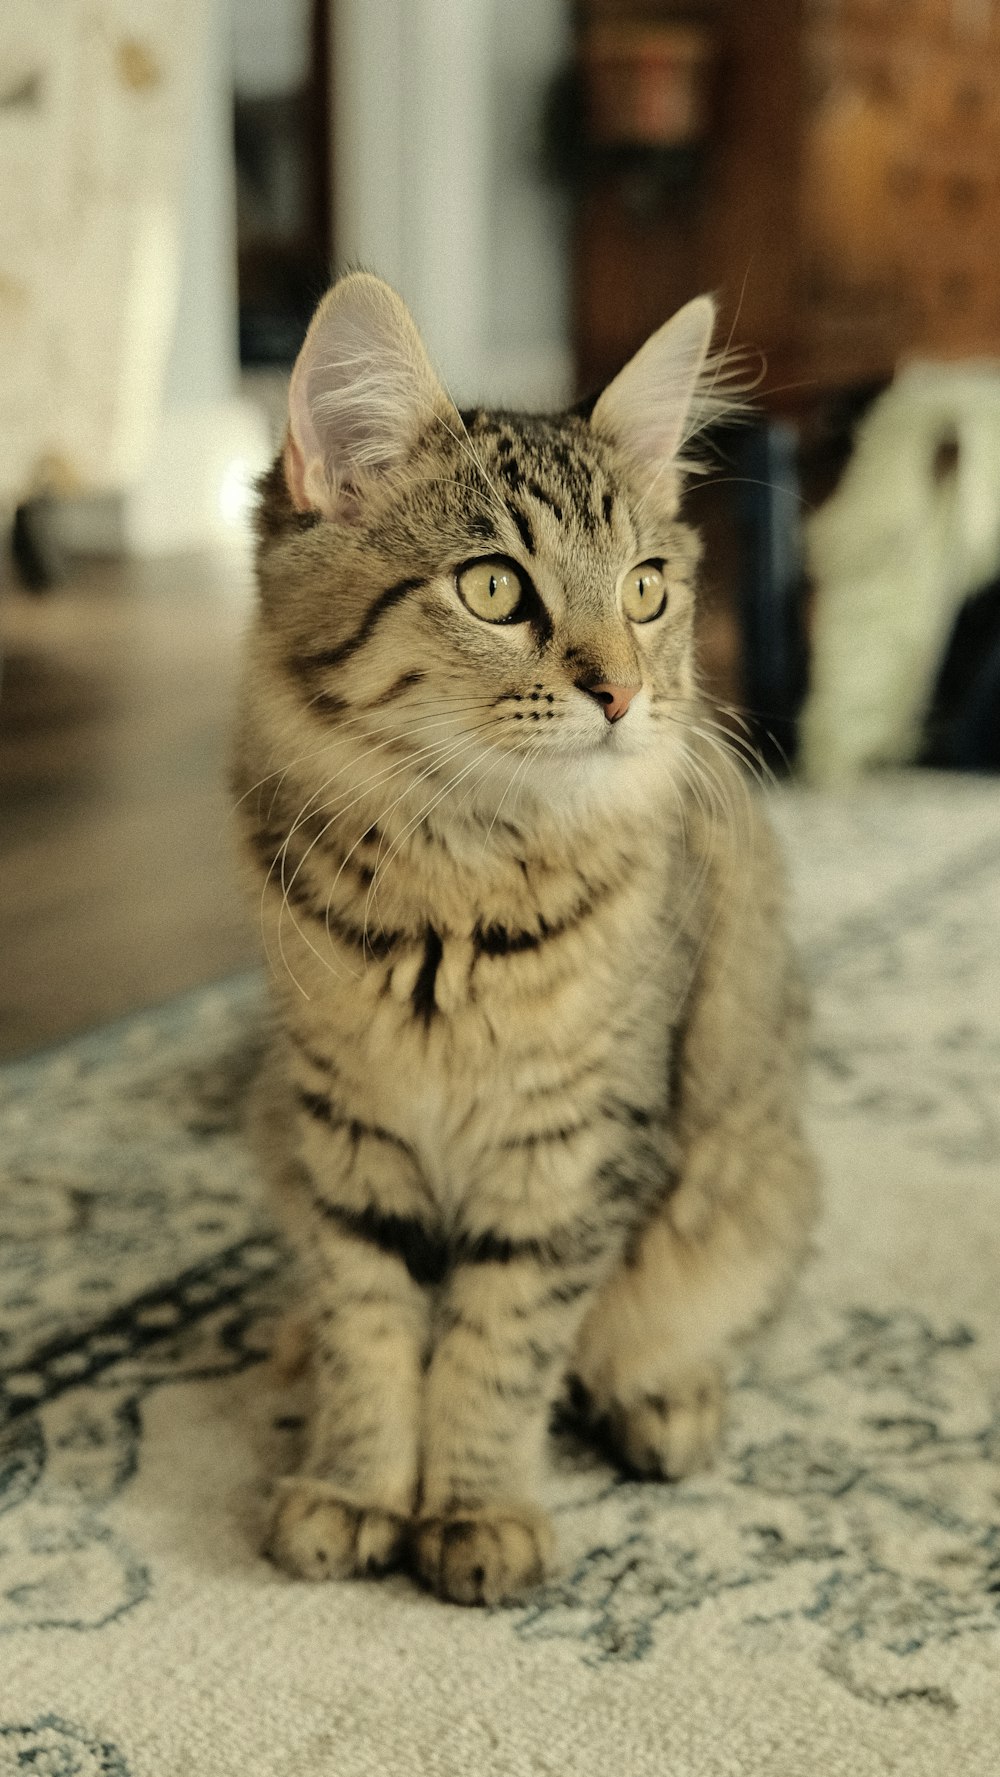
(735, 1218)
(713, 1262)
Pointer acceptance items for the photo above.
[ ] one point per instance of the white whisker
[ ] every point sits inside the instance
(382, 866)
(441, 753)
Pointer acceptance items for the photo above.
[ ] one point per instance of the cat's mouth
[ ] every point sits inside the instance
(624, 735)
(616, 740)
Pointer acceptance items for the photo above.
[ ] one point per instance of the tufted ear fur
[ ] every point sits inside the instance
(361, 393)
(647, 408)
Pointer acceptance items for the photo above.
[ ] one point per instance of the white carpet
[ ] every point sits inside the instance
(826, 1601)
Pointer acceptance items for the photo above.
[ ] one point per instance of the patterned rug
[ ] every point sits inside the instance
(827, 1600)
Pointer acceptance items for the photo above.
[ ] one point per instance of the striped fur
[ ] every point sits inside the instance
(532, 1114)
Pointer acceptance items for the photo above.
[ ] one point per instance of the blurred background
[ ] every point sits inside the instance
(544, 182)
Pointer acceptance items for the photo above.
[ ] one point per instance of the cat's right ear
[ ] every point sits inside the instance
(647, 408)
(361, 393)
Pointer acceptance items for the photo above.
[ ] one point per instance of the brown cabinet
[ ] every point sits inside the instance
(842, 196)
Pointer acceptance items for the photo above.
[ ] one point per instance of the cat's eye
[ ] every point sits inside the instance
(494, 590)
(644, 592)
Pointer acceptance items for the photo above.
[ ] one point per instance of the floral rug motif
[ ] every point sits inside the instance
(827, 1598)
(855, 1495)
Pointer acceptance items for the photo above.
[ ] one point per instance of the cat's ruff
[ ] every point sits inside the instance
(533, 1107)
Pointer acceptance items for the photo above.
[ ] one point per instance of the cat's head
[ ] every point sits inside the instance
(516, 585)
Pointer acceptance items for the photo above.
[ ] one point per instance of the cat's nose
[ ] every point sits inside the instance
(614, 699)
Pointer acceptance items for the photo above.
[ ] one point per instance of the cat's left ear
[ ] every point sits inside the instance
(361, 393)
(647, 407)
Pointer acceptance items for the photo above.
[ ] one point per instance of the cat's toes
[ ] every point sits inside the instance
(671, 1433)
(483, 1557)
(317, 1535)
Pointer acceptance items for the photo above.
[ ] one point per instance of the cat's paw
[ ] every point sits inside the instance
(316, 1534)
(488, 1556)
(669, 1433)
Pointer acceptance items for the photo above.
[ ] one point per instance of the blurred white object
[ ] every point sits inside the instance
(118, 362)
(95, 116)
(911, 531)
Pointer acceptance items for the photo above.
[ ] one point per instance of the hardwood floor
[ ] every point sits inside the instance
(118, 884)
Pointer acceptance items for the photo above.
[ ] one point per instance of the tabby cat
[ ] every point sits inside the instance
(533, 1110)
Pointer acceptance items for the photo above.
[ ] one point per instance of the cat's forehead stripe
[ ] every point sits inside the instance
(523, 524)
(544, 461)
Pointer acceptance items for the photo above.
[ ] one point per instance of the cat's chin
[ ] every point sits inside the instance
(619, 741)
(591, 773)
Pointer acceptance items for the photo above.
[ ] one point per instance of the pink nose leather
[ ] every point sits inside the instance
(613, 699)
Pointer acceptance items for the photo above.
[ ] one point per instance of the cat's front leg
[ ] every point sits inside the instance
(347, 1511)
(507, 1322)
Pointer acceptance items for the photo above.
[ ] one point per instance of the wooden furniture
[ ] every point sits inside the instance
(832, 173)
(843, 198)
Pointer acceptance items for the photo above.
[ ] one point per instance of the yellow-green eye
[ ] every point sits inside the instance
(644, 592)
(492, 589)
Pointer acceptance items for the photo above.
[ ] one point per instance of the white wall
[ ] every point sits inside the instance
(437, 107)
(270, 46)
(528, 217)
(204, 354)
(195, 491)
